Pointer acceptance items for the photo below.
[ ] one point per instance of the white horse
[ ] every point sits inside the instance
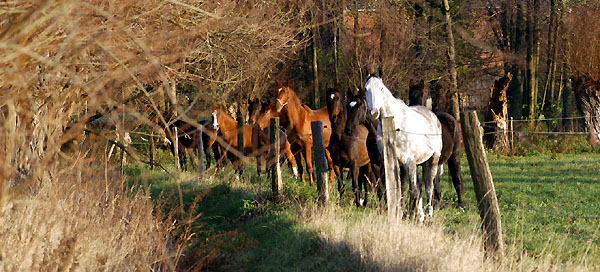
(418, 138)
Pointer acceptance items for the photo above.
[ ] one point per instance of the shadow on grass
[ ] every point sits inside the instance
(240, 230)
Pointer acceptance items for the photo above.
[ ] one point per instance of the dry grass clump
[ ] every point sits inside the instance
(408, 247)
(403, 247)
(80, 224)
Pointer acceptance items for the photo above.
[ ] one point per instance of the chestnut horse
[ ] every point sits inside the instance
(451, 146)
(297, 118)
(227, 129)
(260, 114)
(349, 151)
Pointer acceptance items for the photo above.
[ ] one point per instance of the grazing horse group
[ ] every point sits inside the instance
(352, 137)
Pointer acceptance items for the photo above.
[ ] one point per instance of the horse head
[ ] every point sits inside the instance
(416, 93)
(336, 110)
(356, 109)
(283, 95)
(374, 95)
(334, 102)
(254, 108)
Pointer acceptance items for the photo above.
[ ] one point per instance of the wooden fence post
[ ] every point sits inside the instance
(320, 161)
(512, 136)
(200, 147)
(276, 182)
(483, 185)
(392, 179)
(176, 147)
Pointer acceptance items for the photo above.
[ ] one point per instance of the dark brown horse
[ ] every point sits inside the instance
(297, 118)
(349, 151)
(188, 142)
(451, 143)
(357, 111)
(260, 114)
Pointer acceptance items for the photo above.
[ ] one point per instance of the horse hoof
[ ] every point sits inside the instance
(429, 211)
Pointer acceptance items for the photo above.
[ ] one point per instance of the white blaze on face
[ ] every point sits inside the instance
(215, 122)
(352, 104)
(332, 96)
(279, 90)
(374, 93)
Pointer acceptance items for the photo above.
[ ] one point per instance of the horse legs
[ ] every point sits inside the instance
(432, 169)
(338, 172)
(290, 157)
(415, 193)
(457, 181)
(297, 152)
(308, 160)
(330, 162)
(366, 177)
(356, 188)
(183, 159)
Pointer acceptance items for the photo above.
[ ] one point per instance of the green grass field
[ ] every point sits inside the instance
(549, 207)
(547, 204)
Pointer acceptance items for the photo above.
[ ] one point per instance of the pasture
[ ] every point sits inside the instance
(548, 205)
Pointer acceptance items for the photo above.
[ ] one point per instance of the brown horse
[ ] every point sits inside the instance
(260, 114)
(297, 118)
(349, 151)
(451, 143)
(188, 142)
(227, 129)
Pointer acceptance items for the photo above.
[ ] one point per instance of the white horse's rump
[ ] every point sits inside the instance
(418, 136)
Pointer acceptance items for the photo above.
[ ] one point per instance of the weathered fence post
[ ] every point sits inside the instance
(151, 152)
(176, 147)
(320, 161)
(240, 140)
(512, 136)
(483, 185)
(392, 179)
(276, 182)
(200, 147)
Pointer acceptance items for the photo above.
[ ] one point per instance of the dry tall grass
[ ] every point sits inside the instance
(409, 247)
(66, 63)
(78, 225)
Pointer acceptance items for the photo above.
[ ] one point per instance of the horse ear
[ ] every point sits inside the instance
(326, 86)
(411, 83)
(422, 83)
(277, 83)
(287, 83)
(362, 92)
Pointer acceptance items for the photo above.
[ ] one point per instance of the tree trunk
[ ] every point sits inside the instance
(454, 106)
(356, 42)
(381, 44)
(315, 46)
(587, 98)
(532, 58)
(336, 35)
(548, 103)
(496, 118)
(515, 91)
